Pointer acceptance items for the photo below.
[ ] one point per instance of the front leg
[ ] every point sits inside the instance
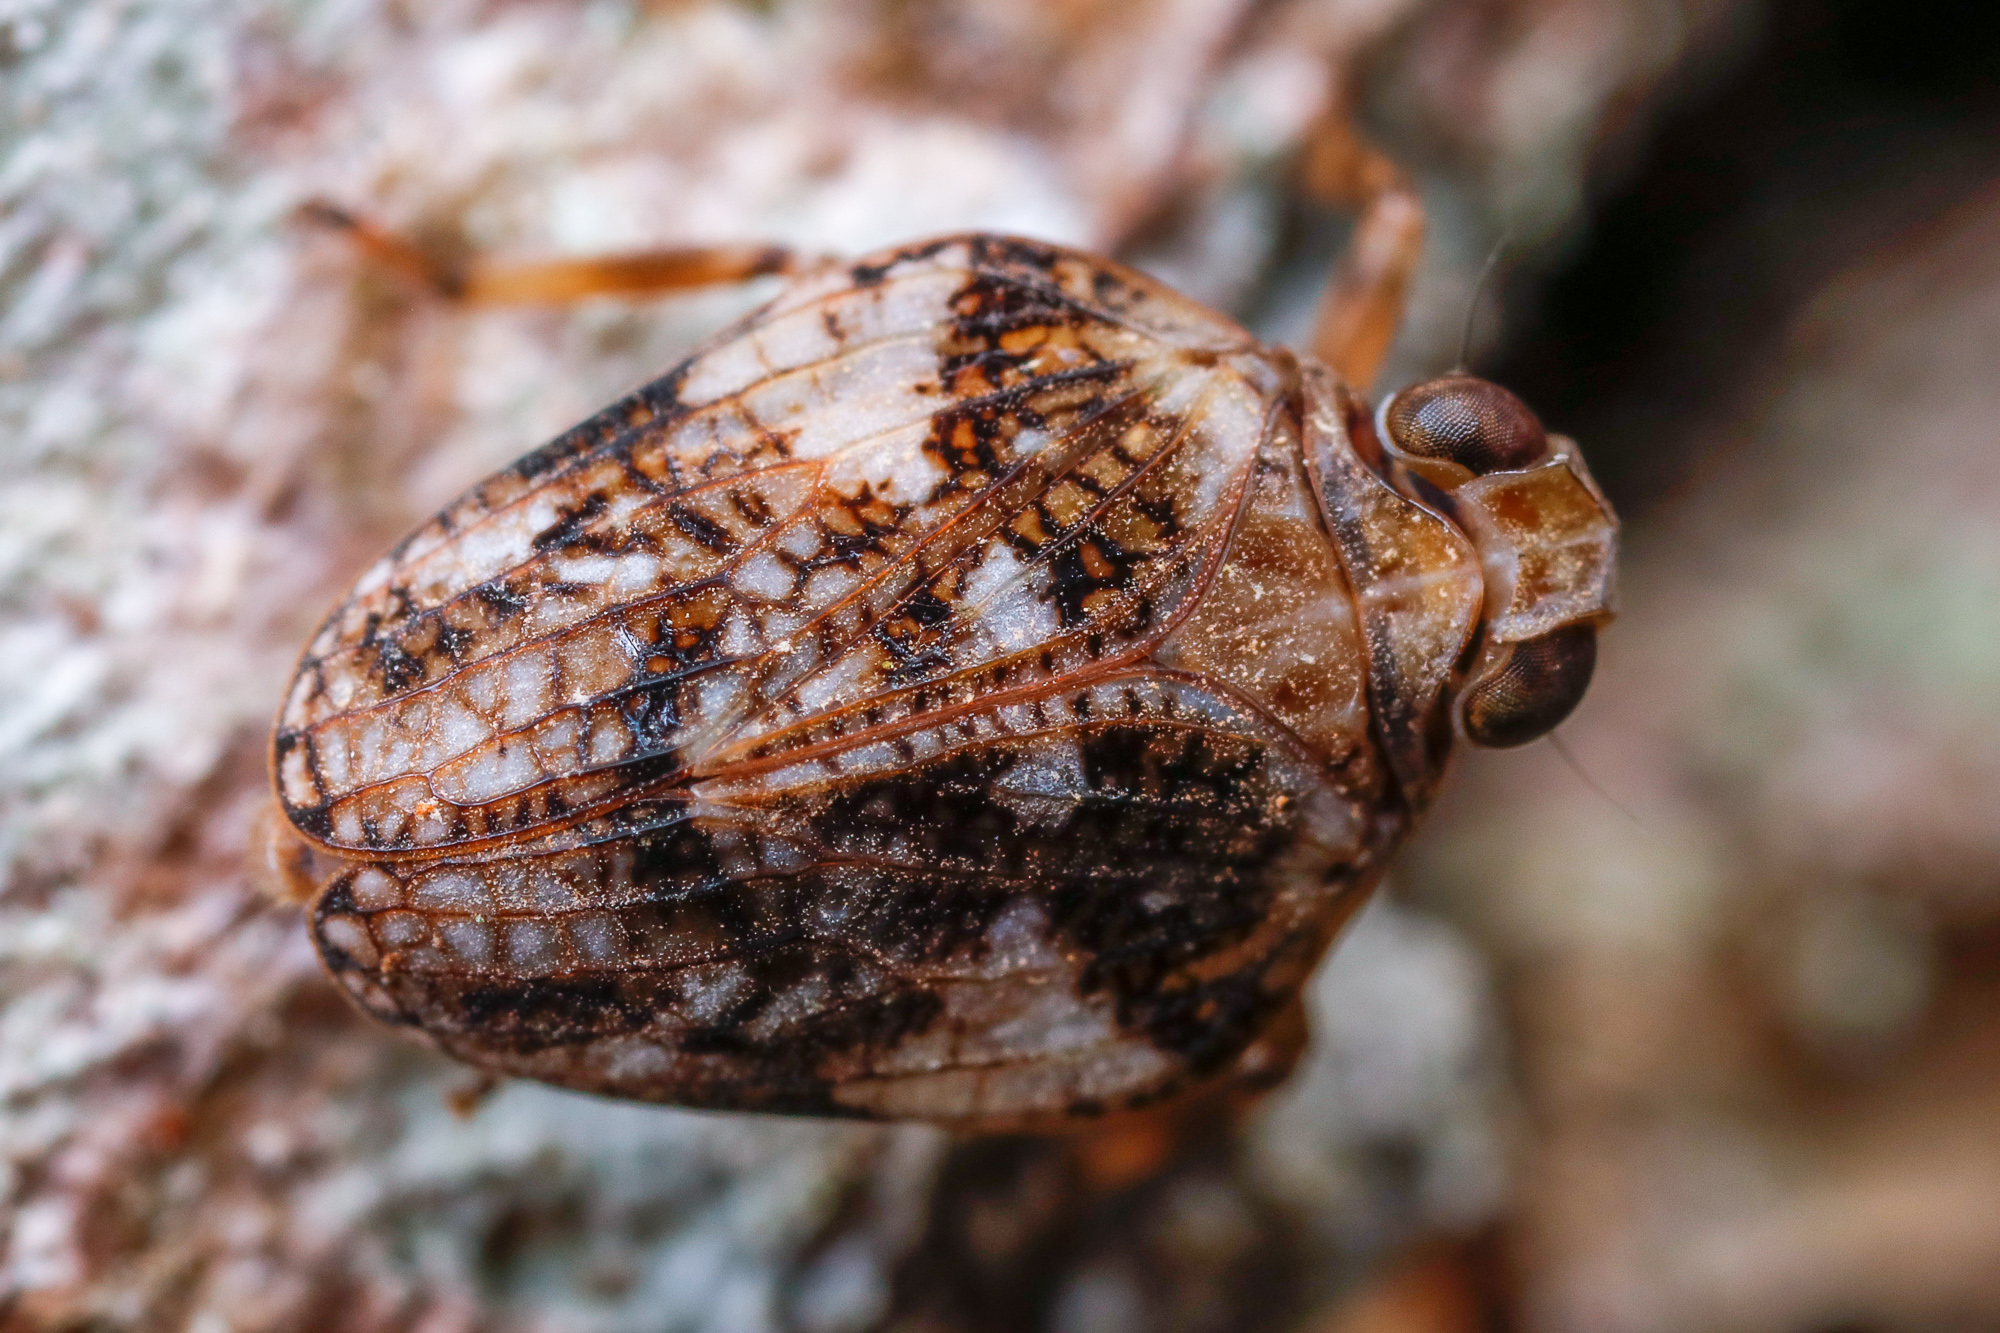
(1363, 302)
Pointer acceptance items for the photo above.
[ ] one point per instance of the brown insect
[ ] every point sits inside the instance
(977, 687)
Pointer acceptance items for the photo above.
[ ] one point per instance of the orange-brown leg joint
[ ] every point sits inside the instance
(1125, 1149)
(1364, 299)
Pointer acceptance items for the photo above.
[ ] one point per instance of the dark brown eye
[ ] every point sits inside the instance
(1533, 689)
(1472, 422)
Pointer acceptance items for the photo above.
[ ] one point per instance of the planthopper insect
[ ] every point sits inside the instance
(977, 687)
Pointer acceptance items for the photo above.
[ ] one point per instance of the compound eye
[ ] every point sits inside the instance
(1533, 689)
(1469, 421)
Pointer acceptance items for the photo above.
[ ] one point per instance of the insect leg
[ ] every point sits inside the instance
(551, 282)
(1363, 302)
(645, 273)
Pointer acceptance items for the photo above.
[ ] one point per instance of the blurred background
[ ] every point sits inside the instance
(1702, 1033)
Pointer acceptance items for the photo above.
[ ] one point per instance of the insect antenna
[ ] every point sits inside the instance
(1584, 776)
(1472, 305)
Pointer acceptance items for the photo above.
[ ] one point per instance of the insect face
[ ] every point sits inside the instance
(1544, 534)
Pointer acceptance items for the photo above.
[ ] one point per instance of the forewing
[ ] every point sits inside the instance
(1026, 913)
(900, 473)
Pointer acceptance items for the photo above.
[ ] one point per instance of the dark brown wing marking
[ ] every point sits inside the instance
(1097, 907)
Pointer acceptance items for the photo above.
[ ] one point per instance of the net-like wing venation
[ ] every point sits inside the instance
(824, 339)
(1043, 476)
(1034, 920)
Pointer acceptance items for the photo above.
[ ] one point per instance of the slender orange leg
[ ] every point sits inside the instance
(1135, 1145)
(647, 273)
(1363, 302)
(1435, 1288)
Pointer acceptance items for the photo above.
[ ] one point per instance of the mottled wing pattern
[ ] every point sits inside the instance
(798, 733)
